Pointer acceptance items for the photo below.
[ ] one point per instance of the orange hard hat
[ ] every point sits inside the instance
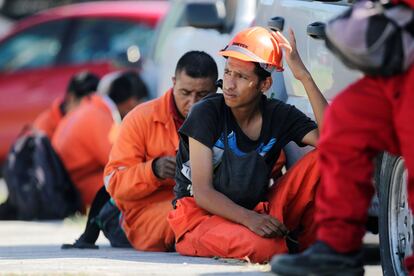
(256, 44)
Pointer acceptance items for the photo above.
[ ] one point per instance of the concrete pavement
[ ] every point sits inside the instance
(33, 248)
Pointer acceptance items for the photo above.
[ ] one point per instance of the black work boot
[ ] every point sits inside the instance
(319, 259)
(8, 211)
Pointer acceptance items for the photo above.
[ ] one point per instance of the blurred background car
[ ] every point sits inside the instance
(41, 52)
(5, 25)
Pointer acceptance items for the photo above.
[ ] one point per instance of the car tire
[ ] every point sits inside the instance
(395, 218)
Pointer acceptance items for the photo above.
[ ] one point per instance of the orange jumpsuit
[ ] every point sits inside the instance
(146, 133)
(290, 200)
(49, 119)
(83, 142)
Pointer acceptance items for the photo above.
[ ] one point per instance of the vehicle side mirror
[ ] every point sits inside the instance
(206, 15)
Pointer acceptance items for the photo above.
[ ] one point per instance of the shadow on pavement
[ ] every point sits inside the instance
(26, 252)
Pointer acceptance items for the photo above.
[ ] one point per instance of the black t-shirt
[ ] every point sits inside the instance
(282, 123)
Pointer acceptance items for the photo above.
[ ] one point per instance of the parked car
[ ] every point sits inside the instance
(395, 221)
(41, 53)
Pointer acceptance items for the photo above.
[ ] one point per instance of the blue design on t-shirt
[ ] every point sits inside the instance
(262, 149)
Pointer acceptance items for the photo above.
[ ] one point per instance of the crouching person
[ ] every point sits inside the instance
(140, 173)
(80, 86)
(84, 137)
(229, 147)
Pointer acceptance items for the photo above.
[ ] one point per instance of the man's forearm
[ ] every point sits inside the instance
(218, 204)
(316, 98)
(131, 183)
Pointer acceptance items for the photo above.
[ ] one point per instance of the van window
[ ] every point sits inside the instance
(174, 19)
(34, 47)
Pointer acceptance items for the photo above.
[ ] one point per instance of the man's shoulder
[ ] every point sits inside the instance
(91, 113)
(216, 98)
(146, 109)
(275, 105)
(212, 102)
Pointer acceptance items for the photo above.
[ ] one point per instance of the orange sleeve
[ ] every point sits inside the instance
(128, 175)
(95, 130)
(49, 119)
(46, 123)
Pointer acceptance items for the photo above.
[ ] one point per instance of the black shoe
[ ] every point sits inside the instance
(319, 259)
(78, 244)
(8, 211)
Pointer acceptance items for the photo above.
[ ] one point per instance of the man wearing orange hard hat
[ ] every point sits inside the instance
(231, 198)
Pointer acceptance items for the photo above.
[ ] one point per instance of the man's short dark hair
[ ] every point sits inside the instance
(83, 84)
(127, 85)
(197, 64)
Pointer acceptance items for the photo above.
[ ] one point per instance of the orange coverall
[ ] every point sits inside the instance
(290, 200)
(146, 133)
(83, 141)
(49, 119)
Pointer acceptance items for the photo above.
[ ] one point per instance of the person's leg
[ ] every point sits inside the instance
(91, 232)
(199, 233)
(149, 230)
(109, 221)
(292, 199)
(357, 126)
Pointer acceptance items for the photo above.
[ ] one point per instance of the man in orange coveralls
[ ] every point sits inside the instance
(81, 85)
(83, 139)
(140, 173)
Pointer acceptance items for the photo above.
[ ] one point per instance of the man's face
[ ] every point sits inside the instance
(187, 90)
(240, 83)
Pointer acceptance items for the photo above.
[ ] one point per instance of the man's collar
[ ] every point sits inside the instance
(162, 112)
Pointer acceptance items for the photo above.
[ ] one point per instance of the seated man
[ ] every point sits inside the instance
(140, 173)
(81, 85)
(83, 139)
(229, 146)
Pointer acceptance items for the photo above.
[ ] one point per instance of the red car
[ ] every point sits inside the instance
(40, 54)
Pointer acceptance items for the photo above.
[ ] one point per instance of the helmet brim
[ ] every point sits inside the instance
(241, 56)
(238, 55)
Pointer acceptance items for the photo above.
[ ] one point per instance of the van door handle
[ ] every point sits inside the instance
(316, 30)
(276, 23)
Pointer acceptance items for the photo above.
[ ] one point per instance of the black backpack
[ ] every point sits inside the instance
(39, 186)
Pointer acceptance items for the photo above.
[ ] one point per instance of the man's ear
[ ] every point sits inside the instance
(266, 84)
(173, 80)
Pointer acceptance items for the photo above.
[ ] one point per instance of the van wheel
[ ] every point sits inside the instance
(395, 218)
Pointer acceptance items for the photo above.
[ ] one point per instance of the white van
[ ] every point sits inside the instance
(395, 221)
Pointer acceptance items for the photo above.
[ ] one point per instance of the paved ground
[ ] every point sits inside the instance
(33, 248)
